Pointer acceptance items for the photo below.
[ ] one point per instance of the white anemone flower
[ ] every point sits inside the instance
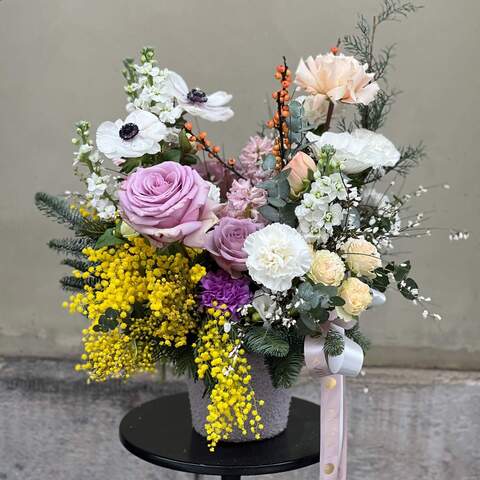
(276, 255)
(358, 150)
(197, 103)
(138, 134)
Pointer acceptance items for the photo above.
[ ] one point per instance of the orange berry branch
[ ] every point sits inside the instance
(203, 143)
(282, 97)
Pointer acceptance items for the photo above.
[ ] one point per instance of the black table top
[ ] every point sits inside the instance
(161, 432)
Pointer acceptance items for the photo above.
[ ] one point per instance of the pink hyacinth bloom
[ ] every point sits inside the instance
(251, 157)
(244, 200)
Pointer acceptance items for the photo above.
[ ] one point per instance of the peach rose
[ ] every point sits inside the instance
(299, 166)
(338, 78)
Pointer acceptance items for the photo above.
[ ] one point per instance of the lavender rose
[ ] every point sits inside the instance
(225, 243)
(168, 202)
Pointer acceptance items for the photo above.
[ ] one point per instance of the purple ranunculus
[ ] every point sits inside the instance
(225, 243)
(168, 202)
(222, 288)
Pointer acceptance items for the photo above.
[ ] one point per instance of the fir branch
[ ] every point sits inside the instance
(266, 342)
(284, 371)
(74, 284)
(71, 246)
(334, 343)
(392, 10)
(77, 264)
(60, 210)
(410, 157)
(361, 45)
(358, 337)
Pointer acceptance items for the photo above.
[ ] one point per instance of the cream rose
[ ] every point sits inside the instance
(361, 257)
(327, 268)
(357, 296)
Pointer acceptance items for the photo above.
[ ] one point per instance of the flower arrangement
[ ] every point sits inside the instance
(185, 256)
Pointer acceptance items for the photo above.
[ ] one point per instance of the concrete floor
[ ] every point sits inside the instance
(403, 424)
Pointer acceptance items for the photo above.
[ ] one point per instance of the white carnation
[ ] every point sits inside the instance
(358, 150)
(276, 255)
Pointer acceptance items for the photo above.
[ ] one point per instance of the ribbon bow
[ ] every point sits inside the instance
(333, 420)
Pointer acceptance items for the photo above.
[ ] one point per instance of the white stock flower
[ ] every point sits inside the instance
(97, 185)
(198, 103)
(358, 150)
(316, 215)
(276, 255)
(138, 134)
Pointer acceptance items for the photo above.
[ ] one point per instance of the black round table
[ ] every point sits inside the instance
(161, 433)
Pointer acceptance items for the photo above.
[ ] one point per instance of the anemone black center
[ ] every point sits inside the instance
(128, 131)
(197, 96)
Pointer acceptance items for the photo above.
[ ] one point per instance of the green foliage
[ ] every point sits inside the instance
(405, 285)
(109, 238)
(280, 208)
(361, 45)
(71, 246)
(284, 371)
(183, 361)
(314, 302)
(77, 264)
(60, 210)
(296, 123)
(269, 162)
(266, 341)
(358, 337)
(334, 343)
(108, 321)
(74, 284)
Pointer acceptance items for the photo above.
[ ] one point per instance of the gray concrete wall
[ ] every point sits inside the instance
(61, 62)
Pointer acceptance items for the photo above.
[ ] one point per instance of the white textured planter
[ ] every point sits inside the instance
(274, 413)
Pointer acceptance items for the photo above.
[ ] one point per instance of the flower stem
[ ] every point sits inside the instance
(331, 106)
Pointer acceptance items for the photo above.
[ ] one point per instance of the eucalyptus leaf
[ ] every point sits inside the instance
(270, 213)
(269, 162)
(276, 202)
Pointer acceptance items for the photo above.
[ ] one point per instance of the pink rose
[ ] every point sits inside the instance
(168, 203)
(225, 243)
(299, 166)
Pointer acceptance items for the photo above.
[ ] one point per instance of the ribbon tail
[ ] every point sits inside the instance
(333, 429)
